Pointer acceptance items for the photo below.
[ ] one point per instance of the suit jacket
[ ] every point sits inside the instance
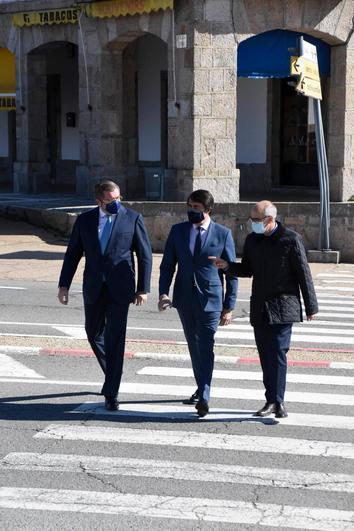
(199, 272)
(116, 264)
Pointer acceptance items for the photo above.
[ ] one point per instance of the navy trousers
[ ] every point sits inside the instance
(199, 329)
(273, 342)
(106, 325)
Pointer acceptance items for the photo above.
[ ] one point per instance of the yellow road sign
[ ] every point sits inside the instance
(301, 65)
(309, 87)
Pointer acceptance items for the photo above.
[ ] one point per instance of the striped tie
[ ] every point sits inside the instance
(106, 233)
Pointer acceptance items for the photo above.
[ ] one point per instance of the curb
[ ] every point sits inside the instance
(232, 360)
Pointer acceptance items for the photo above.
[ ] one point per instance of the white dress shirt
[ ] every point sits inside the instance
(194, 232)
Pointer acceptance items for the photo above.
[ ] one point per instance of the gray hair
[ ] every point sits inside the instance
(271, 210)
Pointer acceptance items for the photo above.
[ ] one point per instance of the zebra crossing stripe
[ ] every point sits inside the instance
(216, 415)
(304, 329)
(181, 372)
(179, 470)
(135, 388)
(190, 439)
(12, 368)
(179, 508)
(296, 338)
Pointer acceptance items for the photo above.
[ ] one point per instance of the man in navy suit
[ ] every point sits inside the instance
(198, 293)
(108, 236)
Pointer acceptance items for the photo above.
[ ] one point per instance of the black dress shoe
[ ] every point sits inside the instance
(193, 399)
(111, 403)
(280, 411)
(202, 408)
(267, 409)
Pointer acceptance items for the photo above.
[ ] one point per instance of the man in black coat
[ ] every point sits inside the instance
(276, 259)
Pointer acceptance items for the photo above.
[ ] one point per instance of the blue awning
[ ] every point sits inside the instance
(267, 54)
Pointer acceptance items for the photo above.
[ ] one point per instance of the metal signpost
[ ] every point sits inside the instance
(306, 67)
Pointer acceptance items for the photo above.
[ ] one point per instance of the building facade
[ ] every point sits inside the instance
(167, 96)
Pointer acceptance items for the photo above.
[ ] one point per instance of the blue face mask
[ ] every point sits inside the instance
(113, 207)
(258, 227)
(195, 216)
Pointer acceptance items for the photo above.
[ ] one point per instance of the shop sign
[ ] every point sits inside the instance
(68, 15)
(118, 8)
(7, 103)
(309, 87)
(301, 65)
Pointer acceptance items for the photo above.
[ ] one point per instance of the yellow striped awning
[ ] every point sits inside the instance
(7, 80)
(120, 8)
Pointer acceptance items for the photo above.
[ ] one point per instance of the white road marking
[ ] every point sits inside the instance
(135, 388)
(191, 439)
(179, 470)
(12, 368)
(320, 322)
(341, 315)
(341, 365)
(308, 328)
(336, 301)
(295, 338)
(335, 275)
(335, 309)
(12, 287)
(179, 508)
(172, 411)
(339, 281)
(334, 288)
(317, 379)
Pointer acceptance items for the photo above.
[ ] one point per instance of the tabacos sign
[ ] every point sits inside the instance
(69, 15)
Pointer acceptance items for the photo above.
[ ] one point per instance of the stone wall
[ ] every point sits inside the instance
(302, 217)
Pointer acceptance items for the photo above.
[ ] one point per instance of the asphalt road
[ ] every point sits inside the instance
(53, 445)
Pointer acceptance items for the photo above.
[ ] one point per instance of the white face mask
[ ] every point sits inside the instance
(258, 227)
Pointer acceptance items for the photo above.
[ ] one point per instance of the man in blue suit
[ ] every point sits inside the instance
(198, 293)
(108, 236)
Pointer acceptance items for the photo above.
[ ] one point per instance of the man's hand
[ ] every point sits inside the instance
(63, 295)
(226, 317)
(220, 263)
(140, 298)
(164, 303)
(310, 317)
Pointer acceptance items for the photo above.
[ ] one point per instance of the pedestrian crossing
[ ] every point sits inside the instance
(171, 466)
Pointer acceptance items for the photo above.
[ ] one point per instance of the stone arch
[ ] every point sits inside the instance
(134, 107)
(123, 30)
(49, 141)
(330, 21)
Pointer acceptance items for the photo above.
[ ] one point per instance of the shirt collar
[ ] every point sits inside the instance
(273, 231)
(204, 225)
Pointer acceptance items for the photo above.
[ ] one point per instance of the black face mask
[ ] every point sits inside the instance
(195, 216)
(113, 207)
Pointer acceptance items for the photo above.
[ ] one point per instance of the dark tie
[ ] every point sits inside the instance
(106, 234)
(198, 243)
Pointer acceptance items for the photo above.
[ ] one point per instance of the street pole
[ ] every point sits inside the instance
(323, 241)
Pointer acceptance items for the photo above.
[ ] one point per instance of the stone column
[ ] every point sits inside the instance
(202, 129)
(100, 125)
(341, 123)
(32, 169)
